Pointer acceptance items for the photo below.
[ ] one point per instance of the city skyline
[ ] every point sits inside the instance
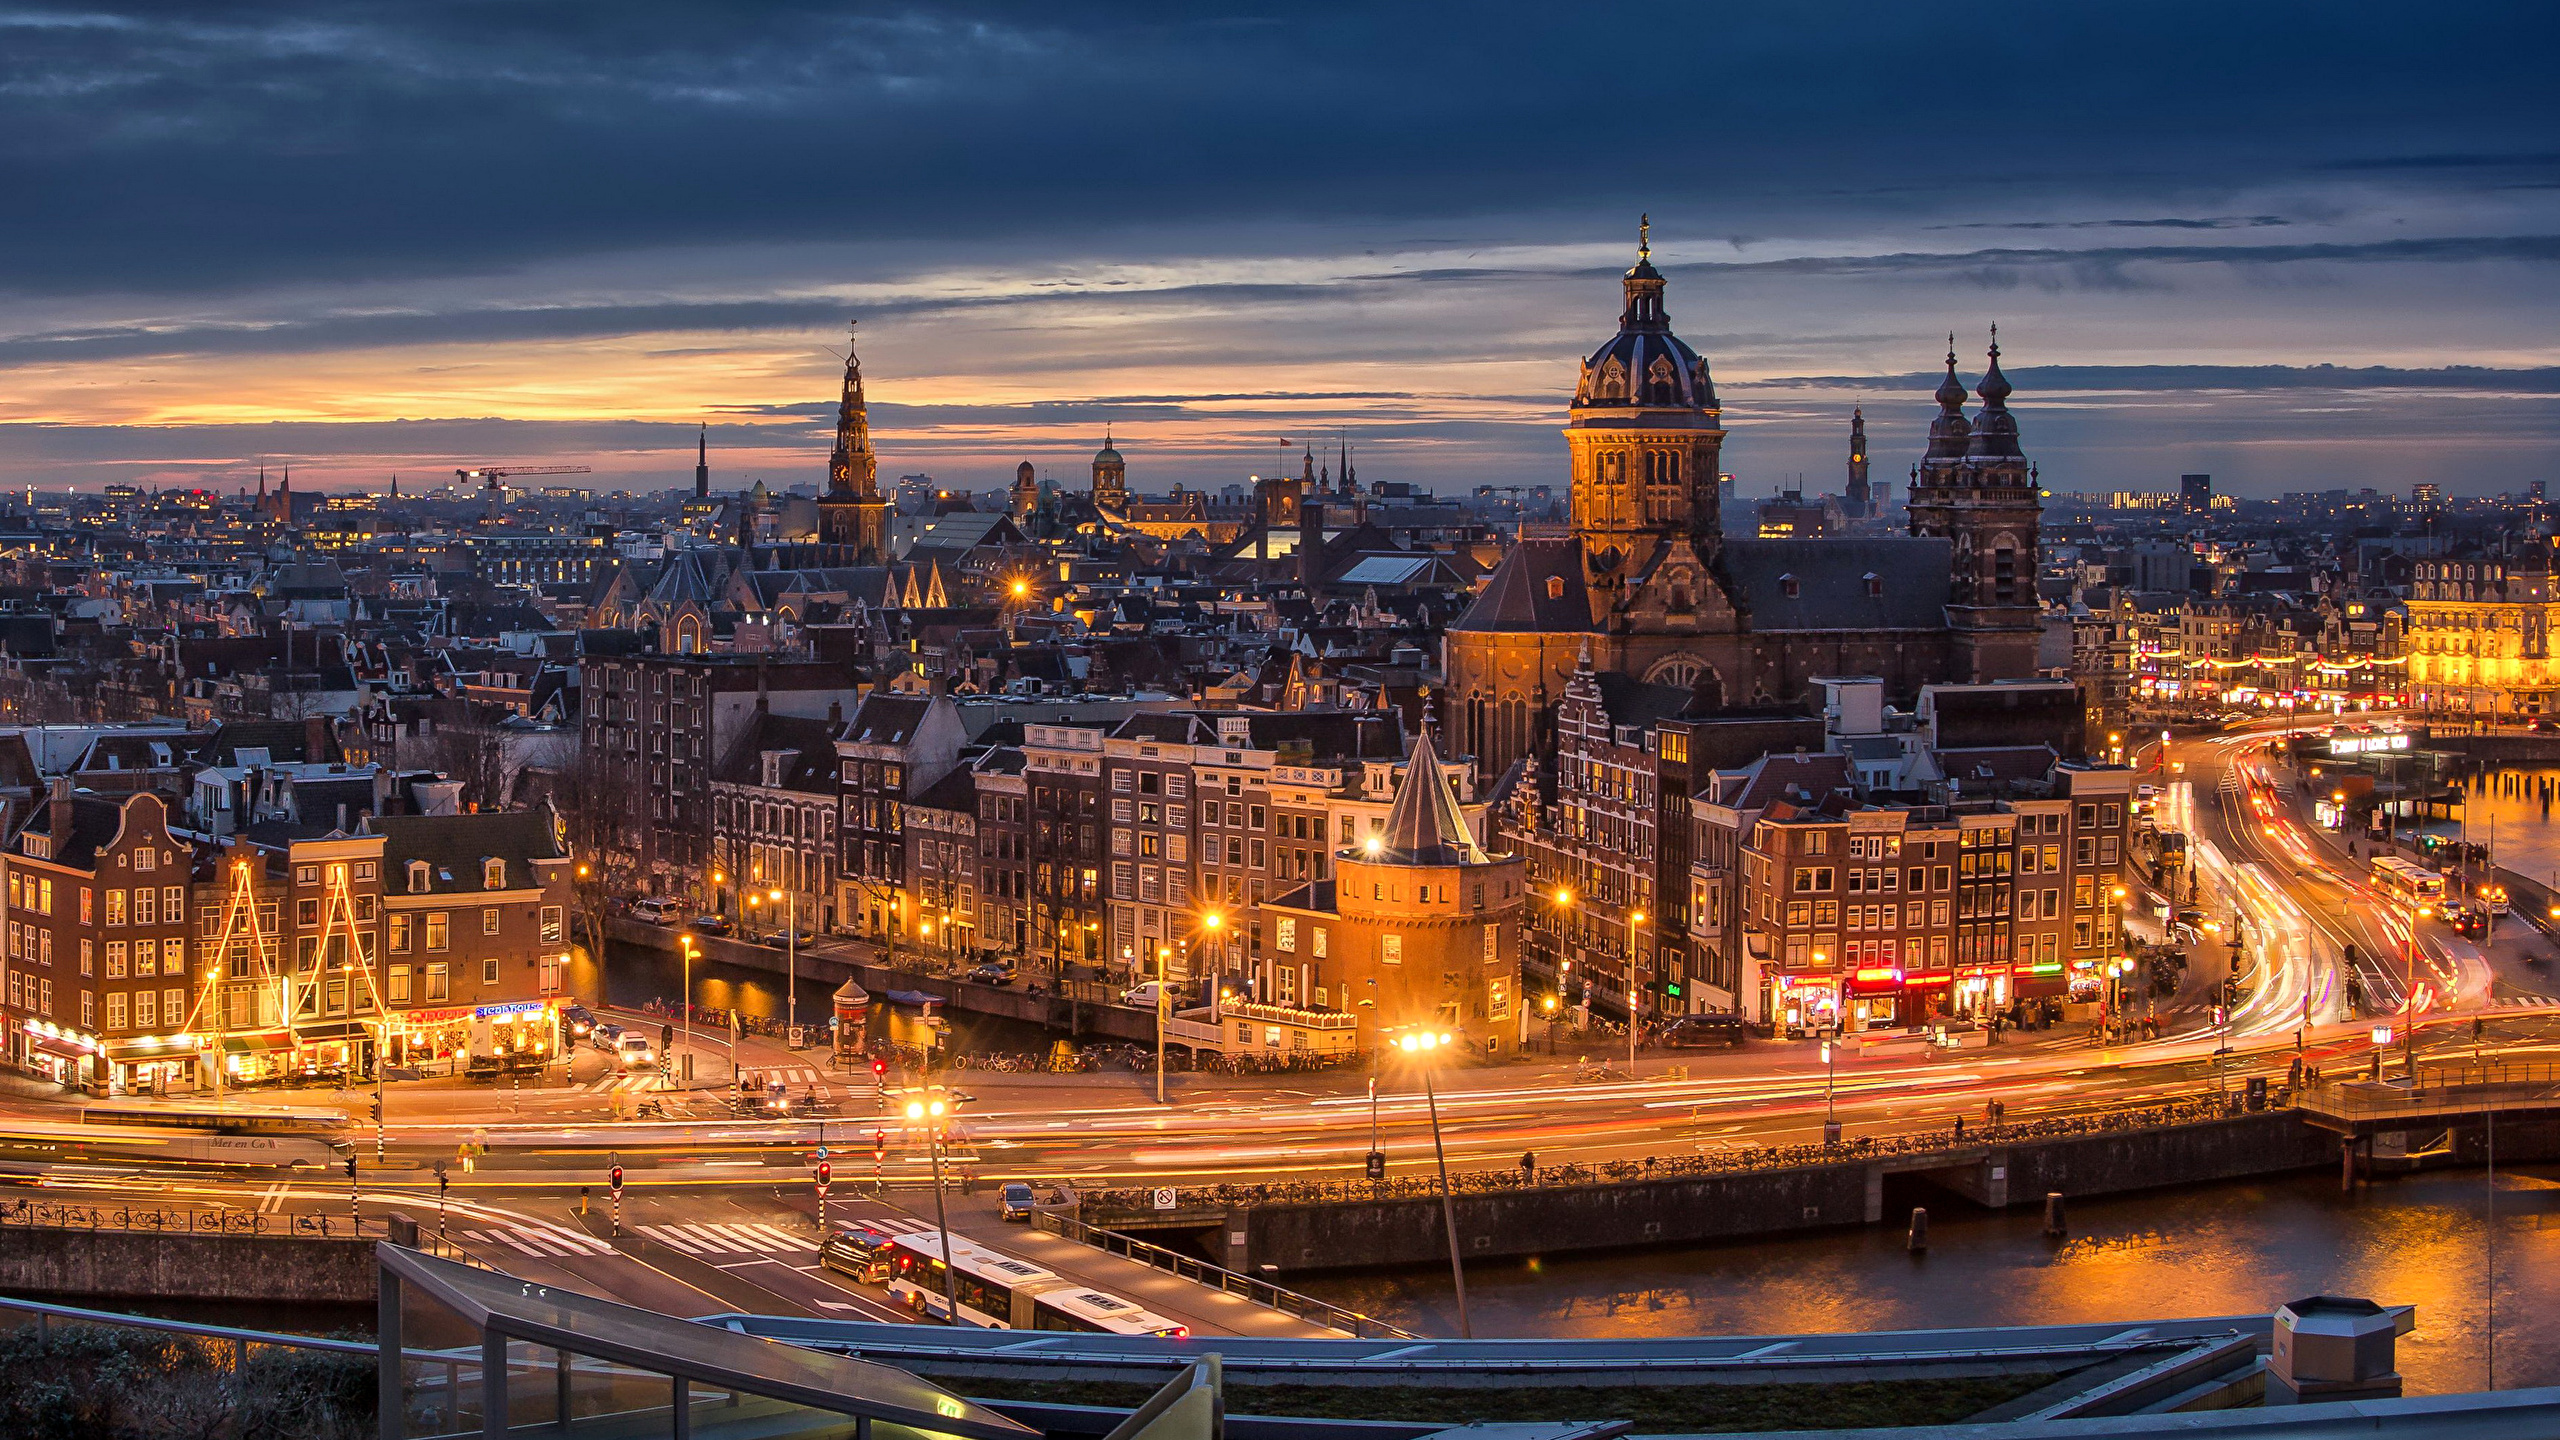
(418, 245)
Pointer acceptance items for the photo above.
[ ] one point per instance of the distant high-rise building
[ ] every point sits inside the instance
(2196, 491)
(2426, 492)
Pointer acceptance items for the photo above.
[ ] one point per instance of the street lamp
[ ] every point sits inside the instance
(790, 967)
(933, 1113)
(1419, 1044)
(686, 1005)
(1635, 952)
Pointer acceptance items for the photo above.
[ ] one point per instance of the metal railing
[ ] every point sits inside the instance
(1260, 1292)
(183, 1220)
(45, 1314)
(2440, 1090)
(1951, 1142)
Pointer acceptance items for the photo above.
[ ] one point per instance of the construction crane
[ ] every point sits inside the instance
(495, 473)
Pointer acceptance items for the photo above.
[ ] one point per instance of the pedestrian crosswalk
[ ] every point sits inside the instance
(794, 1075)
(629, 1080)
(731, 1239)
(548, 1241)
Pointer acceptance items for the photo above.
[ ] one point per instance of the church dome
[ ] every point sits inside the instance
(1107, 455)
(1644, 366)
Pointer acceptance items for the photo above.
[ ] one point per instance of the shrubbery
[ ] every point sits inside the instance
(82, 1382)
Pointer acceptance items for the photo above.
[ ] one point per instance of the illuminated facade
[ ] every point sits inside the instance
(2478, 636)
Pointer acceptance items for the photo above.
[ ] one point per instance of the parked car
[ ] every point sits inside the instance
(1691, 1032)
(1143, 996)
(1015, 1201)
(993, 973)
(709, 924)
(658, 910)
(636, 1052)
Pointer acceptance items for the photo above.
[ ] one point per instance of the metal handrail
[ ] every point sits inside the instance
(1260, 1292)
(186, 1220)
(46, 1311)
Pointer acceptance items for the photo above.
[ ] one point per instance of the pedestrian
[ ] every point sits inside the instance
(1959, 1129)
(1529, 1167)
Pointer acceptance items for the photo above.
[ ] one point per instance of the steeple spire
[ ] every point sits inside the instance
(853, 471)
(702, 463)
(1644, 237)
(1425, 825)
(1644, 286)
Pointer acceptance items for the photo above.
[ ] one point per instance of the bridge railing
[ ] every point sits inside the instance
(185, 1220)
(1956, 1143)
(1260, 1292)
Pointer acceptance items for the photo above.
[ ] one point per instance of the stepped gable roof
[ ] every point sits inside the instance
(1522, 596)
(1425, 826)
(1867, 583)
(454, 845)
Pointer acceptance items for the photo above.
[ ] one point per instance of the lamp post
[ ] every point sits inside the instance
(790, 967)
(1420, 1043)
(2409, 997)
(687, 1004)
(1635, 958)
(933, 1113)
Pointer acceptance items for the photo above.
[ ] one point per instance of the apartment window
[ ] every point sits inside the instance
(88, 957)
(44, 904)
(399, 984)
(489, 920)
(418, 877)
(399, 926)
(115, 907)
(115, 1011)
(173, 957)
(306, 913)
(1390, 949)
(364, 870)
(438, 932)
(115, 960)
(146, 958)
(489, 971)
(493, 874)
(85, 916)
(173, 903)
(173, 1005)
(439, 983)
(145, 859)
(146, 1009)
(551, 924)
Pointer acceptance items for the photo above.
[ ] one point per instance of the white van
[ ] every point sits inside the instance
(658, 910)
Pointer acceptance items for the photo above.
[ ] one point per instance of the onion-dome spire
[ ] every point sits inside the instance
(1995, 430)
(1949, 430)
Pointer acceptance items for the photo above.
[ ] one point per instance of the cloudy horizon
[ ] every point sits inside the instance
(2297, 247)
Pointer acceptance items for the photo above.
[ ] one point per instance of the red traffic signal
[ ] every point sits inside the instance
(879, 1067)
(617, 1179)
(879, 1144)
(826, 1171)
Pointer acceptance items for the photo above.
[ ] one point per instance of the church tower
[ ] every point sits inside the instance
(1860, 505)
(851, 514)
(1975, 488)
(1026, 491)
(1110, 479)
(702, 464)
(1647, 434)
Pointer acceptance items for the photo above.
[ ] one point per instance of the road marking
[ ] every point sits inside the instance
(545, 1241)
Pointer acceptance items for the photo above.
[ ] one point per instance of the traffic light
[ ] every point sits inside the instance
(351, 1169)
(1377, 1165)
(879, 1068)
(615, 1180)
(666, 1037)
(826, 1171)
(377, 1110)
(879, 1146)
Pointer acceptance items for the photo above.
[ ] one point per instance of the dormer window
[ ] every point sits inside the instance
(418, 877)
(1788, 587)
(1875, 586)
(1555, 587)
(493, 874)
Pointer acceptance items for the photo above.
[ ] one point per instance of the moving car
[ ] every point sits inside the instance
(658, 910)
(579, 1021)
(1691, 1032)
(636, 1052)
(1143, 996)
(860, 1252)
(1014, 1202)
(605, 1036)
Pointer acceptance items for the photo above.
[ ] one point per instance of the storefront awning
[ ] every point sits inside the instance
(256, 1043)
(48, 1045)
(330, 1031)
(139, 1052)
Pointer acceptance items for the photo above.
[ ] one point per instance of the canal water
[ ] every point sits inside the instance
(2511, 810)
(2231, 1249)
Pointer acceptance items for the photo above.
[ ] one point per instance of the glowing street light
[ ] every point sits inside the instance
(932, 1114)
(1421, 1044)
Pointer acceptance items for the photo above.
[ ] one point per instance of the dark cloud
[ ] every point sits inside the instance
(193, 147)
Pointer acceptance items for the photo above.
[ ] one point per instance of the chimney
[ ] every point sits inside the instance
(835, 714)
(1310, 544)
(60, 790)
(315, 737)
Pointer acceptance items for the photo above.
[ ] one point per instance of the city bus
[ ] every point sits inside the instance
(2409, 884)
(225, 1119)
(38, 1142)
(998, 1292)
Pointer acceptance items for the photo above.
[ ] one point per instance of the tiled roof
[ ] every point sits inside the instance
(454, 845)
(1520, 598)
(1882, 583)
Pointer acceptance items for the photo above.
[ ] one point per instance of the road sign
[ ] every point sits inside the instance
(822, 1152)
(1164, 1197)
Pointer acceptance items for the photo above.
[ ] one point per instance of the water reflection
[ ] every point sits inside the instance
(2223, 1250)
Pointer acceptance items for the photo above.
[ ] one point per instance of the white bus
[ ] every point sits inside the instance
(2407, 883)
(998, 1292)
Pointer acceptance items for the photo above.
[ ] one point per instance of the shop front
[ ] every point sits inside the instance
(1979, 991)
(152, 1065)
(66, 1057)
(1877, 1000)
(255, 1057)
(519, 1034)
(1805, 1004)
(332, 1049)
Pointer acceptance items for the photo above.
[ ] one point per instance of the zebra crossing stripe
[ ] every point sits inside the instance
(789, 1240)
(663, 1235)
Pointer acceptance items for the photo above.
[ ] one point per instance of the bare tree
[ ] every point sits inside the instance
(599, 813)
(475, 754)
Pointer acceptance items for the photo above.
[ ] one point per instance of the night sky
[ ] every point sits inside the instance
(2298, 246)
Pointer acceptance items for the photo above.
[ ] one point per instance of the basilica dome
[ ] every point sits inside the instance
(1644, 366)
